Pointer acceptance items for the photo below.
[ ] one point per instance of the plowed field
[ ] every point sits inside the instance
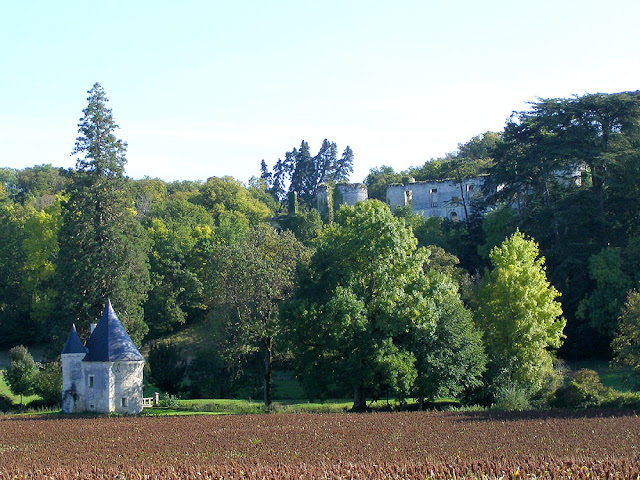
(595, 444)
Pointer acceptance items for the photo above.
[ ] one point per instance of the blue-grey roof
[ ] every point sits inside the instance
(109, 341)
(74, 344)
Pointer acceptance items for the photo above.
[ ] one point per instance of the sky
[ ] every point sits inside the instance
(211, 88)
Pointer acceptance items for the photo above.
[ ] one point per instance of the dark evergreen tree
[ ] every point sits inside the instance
(305, 173)
(277, 188)
(343, 167)
(103, 248)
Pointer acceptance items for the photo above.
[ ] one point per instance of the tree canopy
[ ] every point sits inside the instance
(364, 308)
(516, 309)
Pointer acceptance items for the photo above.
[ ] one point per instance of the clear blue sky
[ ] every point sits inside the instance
(204, 88)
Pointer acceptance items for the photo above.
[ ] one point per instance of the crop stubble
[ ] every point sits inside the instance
(596, 444)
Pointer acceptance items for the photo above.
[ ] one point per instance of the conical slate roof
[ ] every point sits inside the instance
(74, 344)
(110, 342)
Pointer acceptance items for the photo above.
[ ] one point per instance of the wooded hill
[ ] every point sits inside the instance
(371, 302)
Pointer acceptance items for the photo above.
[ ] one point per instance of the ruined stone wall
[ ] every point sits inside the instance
(343, 194)
(351, 193)
(435, 199)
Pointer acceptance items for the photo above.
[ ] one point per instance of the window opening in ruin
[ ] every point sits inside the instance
(124, 401)
(90, 381)
(454, 217)
(408, 198)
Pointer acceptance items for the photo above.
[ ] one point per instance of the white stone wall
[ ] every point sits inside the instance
(112, 381)
(97, 396)
(435, 199)
(352, 193)
(73, 383)
(127, 382)
(347, 193)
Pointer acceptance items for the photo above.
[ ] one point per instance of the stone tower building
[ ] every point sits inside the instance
(105, 374)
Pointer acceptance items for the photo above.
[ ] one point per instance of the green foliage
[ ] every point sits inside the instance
(39, 185)
(626, 344)
(249, 278)
(9, 183)
(167, 366)
(12, 308)
(358, 305)
(512, 397)
(603, 305)
(517, 310)
(22, 373)
(305, 172)
(182, 234)
(103, 248)
(40, 246)
(6, 405)
(497, 225)
(48, 383)
(223, 195)
(168, 401)
(149, 192)
(451, 360)
(378, 179)
(259, 189)
(305, 225)
(569, 168)
(584, 391)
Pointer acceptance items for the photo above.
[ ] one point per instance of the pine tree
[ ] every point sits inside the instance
(103, 248)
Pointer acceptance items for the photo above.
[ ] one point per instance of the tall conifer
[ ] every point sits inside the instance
(103, 248)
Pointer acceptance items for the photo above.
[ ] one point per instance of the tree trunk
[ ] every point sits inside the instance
(547, 202)
(268, 343)
(464, 200)
(359, 398)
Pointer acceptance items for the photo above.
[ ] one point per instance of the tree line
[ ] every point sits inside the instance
(370, 303)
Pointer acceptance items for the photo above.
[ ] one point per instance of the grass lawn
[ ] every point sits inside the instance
(619, 379)
(6, 392)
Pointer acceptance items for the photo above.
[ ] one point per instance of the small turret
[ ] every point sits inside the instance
(72, 378)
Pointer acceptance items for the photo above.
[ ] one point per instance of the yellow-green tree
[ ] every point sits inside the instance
(517, 310)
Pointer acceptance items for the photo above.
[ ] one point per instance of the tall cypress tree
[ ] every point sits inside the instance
(103, 248)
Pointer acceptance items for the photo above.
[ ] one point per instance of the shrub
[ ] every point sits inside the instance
(512, 397)
(6, 405)
(585, 390)
(168, 401)
(48, 384)
(552, 381)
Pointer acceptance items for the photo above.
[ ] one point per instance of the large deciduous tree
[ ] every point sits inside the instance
(103, 248)
(249, 278)
(517, 310)
(451, 360)
(359, 304)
